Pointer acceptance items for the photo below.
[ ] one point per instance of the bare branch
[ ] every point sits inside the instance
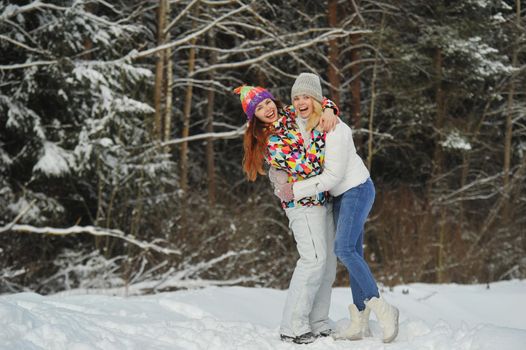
(217, 3)
(356, 10)
(286, 50)
(136, 55)
(180, 15)
(220, 50)
(110, 6)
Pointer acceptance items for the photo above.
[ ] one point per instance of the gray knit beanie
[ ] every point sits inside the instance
(307, 84)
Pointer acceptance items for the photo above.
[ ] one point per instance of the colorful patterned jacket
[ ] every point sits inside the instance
(287, 151)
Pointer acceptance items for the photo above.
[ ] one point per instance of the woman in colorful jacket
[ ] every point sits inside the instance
(273, 136)
(347, 179)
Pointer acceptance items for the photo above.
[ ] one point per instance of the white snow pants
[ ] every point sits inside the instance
(309, 296)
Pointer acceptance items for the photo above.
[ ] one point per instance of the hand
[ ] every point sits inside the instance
(328, 120)
(277, 176)
(284, 191)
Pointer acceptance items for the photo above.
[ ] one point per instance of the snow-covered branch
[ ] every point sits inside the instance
(182, 277)
(22, 45)
(460, 194)
(27, 65)
(92, 230)
(205, 265)
(211, 135)
(363, 131)
(13, 10)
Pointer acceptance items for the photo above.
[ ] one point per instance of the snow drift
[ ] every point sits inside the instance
(445, 317)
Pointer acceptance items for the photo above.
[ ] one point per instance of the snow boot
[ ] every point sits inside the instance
(286, 338)
(326, 333)
(387, 316)
(359, 327)
(305, 338)
(366, 331)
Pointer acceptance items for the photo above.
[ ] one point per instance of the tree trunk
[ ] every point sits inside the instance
(186, 132)
(210, 129)
(99, 216)
(461, 217)
(509, 120)
(355, 88)
(159, 72)
(334, 66)
(186, 122)
(438, 159)
(370, 151)
(167, 122)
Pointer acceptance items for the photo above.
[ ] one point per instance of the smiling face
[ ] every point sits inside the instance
(303, 105)
(266, 111)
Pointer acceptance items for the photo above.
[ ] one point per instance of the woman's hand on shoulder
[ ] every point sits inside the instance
(328, 120)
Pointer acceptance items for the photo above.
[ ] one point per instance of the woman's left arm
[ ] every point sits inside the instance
(329, 117)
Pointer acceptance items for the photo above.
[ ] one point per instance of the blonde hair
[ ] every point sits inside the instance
(315, 116)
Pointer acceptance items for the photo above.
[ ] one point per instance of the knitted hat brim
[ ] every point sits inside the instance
(260, 97)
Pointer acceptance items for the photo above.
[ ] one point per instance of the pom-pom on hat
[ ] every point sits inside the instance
(307, 84)
(250, 97)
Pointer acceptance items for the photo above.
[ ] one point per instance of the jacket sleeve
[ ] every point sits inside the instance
(326, 103)
(334, 167)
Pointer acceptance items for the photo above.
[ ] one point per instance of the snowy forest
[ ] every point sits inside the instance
(121, 138)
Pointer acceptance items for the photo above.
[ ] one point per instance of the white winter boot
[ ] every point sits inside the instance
(359, 327)
(366, 332)
(387, 316)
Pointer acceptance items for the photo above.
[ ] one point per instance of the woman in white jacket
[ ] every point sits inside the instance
(347, 179)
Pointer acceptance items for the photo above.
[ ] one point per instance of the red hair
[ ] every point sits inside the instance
(255, 145)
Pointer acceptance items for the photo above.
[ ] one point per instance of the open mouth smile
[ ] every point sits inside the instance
(270, 115)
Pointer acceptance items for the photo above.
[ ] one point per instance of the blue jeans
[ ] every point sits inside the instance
(350, 213)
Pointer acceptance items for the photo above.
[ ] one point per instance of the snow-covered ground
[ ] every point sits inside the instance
(432, 317)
